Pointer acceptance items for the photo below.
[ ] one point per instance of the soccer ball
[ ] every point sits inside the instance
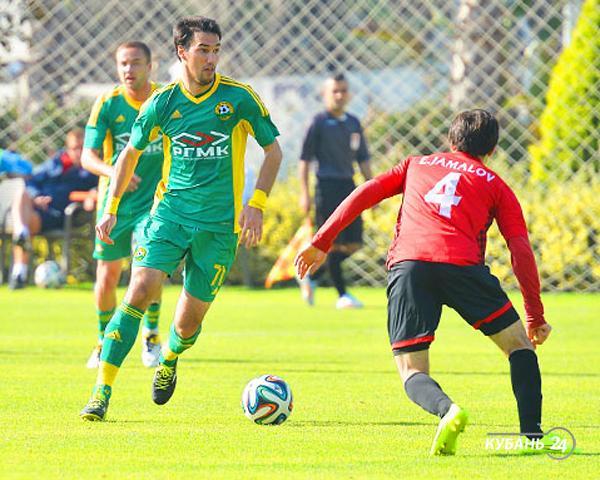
(267, 400)
(48, 275)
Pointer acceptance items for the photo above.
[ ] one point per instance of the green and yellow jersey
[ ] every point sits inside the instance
(109, 129)
(204, 142)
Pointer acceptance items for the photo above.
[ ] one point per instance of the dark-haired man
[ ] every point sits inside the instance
(198, 215)
(437, 258)
(335, 140)
(108, 129)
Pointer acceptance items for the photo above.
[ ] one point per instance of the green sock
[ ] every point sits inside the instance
(151, 316)
(120, 334)
(176, 346)
(103, 319)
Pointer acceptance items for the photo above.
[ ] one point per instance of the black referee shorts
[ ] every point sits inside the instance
(329, 194)
(417, 290)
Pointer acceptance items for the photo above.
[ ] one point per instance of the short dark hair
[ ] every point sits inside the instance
(184, 29)
(474, 132)
(145, 49)
(338, 77)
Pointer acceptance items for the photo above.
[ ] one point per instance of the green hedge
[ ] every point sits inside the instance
(570, 122)
(563, 221)
(564, 229)
(282, 219)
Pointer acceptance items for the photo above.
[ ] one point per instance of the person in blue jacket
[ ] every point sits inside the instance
(40, 205)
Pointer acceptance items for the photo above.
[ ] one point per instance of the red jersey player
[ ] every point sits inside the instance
(437, 258)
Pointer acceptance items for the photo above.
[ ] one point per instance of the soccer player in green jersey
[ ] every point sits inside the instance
(108, 129)
(198, 215)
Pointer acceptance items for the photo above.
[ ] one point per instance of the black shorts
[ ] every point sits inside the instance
(417, 290)
(328, 195)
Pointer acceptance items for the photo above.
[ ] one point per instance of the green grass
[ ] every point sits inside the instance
(351, 417)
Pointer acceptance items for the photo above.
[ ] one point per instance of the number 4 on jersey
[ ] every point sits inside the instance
(443, 194)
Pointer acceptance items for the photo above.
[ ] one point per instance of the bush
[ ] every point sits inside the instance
(563, 221)
(564, 230)
(282, 219)
(570, 122)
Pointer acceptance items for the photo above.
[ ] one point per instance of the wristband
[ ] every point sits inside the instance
(258, 200)
(112, 205)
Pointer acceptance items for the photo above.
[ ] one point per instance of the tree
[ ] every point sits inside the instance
(570, 123)
(479, 56)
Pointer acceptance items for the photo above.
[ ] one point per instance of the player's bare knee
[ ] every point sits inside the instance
(189, 314)
(406, 373)
(519, 344)
(143, 288)
(107, 277)
(512, 338)
(188, 324)
(409, 363)
(137, 295)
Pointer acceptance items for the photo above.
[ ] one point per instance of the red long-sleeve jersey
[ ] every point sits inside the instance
(449, 202)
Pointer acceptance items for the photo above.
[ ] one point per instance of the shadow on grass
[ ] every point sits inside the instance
(341, 423)
(339, 371)
(544, 374)
(108, 421)
(263, 360)
(119, 421)
(217, 360)
(541, 454)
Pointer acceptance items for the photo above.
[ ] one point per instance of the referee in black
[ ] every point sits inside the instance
(335, 140)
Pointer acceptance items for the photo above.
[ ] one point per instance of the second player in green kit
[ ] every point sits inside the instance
(107, 132)
(198, 215)
(109, 128)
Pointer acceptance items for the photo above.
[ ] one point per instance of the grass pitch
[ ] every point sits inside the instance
(351, 417)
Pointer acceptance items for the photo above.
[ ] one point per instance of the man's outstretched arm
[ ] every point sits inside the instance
(363, 197)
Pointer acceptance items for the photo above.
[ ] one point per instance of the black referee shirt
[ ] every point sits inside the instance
(335, 143)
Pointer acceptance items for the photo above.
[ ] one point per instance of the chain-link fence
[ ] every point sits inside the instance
(411, 66)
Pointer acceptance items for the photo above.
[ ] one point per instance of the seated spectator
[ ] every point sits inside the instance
(40, 205)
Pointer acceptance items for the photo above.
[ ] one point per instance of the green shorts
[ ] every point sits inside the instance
(208, 255)
(126, 227)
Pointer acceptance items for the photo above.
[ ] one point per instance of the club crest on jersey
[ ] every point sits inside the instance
(224, 110)
(140, 253)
